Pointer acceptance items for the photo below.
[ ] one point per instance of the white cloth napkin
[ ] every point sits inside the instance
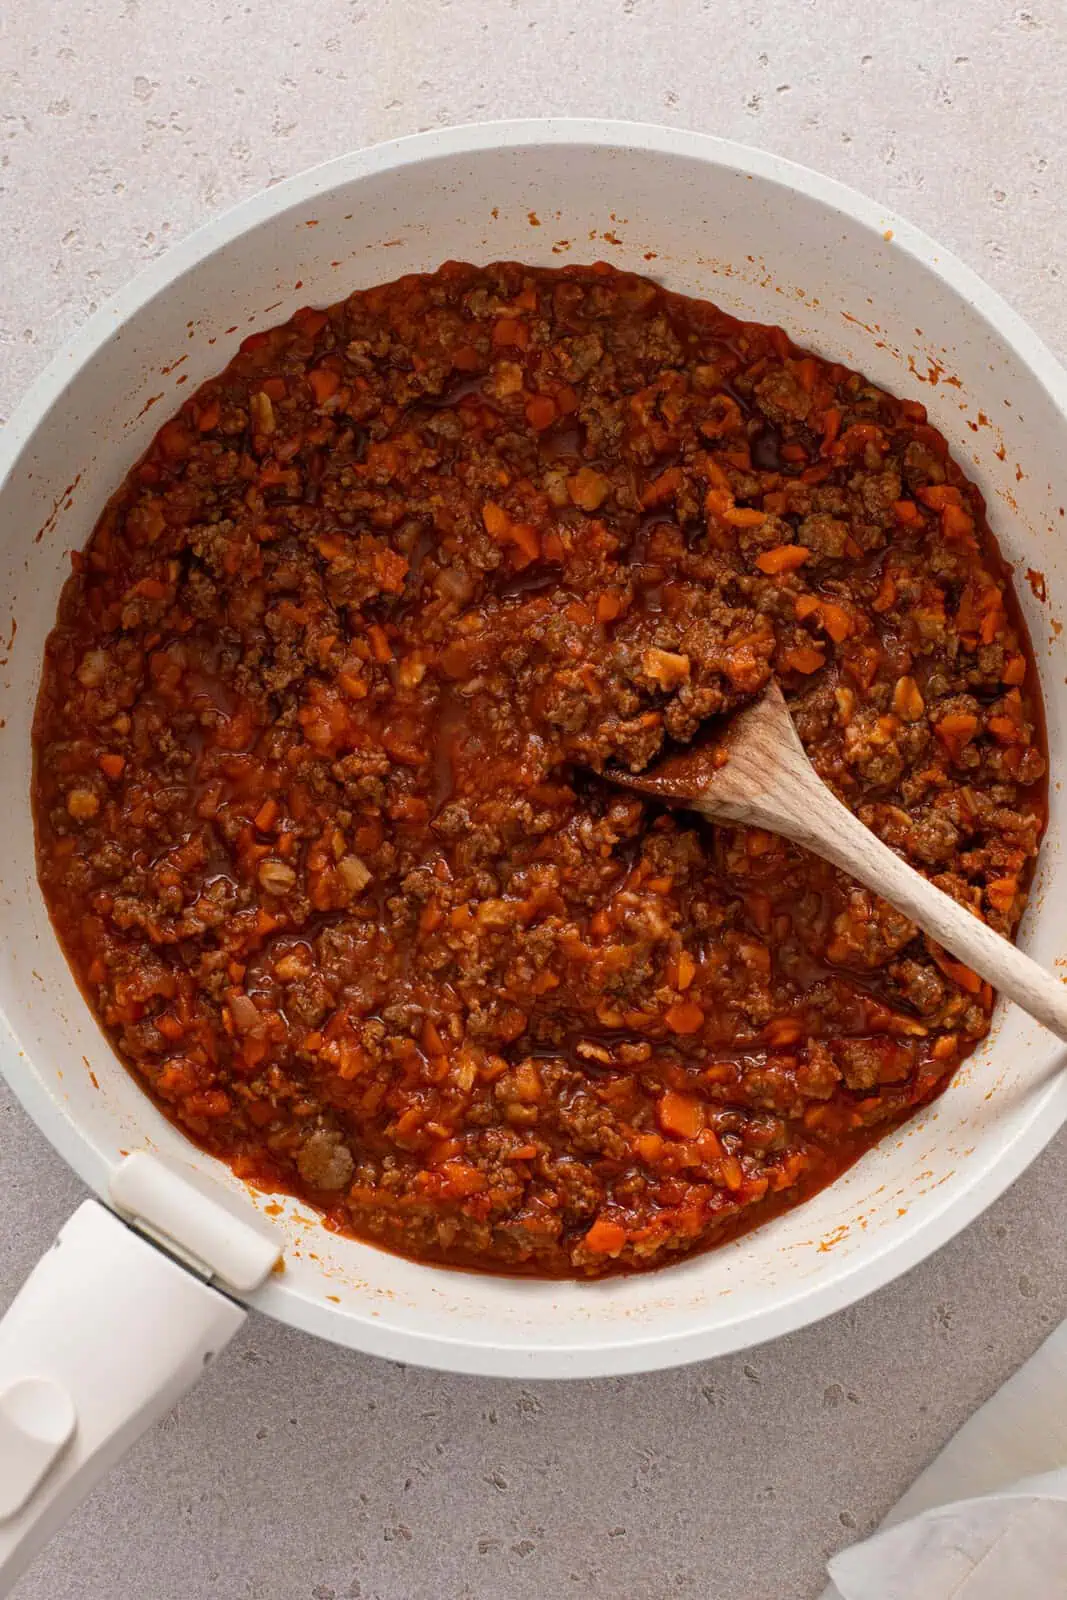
(987, 1520)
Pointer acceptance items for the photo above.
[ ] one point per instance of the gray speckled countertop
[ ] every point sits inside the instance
(301, 1472)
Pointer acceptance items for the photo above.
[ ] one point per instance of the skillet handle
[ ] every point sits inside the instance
(105, 1335)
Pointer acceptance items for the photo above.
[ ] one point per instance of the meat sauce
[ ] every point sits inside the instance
(322, 814)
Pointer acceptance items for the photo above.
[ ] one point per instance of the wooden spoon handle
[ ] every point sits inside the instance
(812, 816)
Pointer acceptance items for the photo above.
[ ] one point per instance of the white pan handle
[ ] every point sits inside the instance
(105, 1335)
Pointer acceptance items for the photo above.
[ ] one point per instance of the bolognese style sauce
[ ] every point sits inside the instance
(322, 813)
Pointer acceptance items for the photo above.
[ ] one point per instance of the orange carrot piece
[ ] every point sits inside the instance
(1001, 893)
(687, 968)
(938, 495)
(803, 658)
(783, 558)
(605, 1238)
(511, 331)
(835, 620)
(680, 1114)
(957, 730)
(783, 1030)
(324, 382)
(908, 513)
(541, 411)
(380, 647)
(685, 1016)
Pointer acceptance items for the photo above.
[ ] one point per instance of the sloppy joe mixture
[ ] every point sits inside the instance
(322, 802)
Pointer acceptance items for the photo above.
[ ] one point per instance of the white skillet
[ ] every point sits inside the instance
(110, 1328)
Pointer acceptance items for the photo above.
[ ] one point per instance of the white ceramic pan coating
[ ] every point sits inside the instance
(766, 240)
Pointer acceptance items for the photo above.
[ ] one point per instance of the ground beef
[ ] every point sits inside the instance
(324, 742)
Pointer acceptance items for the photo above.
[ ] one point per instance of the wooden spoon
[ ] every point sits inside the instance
(758, 773)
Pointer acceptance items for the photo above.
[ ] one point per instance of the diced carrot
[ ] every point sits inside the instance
(605, 1238)
(649, 1147)
(956, 730)
(835, 620)
(783, 1030)
(432, 1042)
(887, 593)
(511, 331)
(686, 970)
(662, 488)
(151, 589)
(527, 544)
(783, 558)
(497, 522)
(112, 765)
(274, 388)
(858, 437)
(732, 1173)
(461, 1179)
(967, 980)
(680, 1114)
(267, 815)
(744, 517)
(380, 647)
(209, 417)
(610, 604)
(685, 1016)
(938, 495)
(324, 382)
(807, 605)
(908, 513)
(807, 371)
(541, 411)
(1014, 670)
(956, 523)
(1001, 893)
(803, 658)
(831, 427)
(991, 625)
(1005, 730)
(520, 534)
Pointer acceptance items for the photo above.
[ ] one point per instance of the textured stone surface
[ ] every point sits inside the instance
(300, 1472)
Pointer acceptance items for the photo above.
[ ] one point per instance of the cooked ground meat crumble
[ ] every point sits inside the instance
(320, 802)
